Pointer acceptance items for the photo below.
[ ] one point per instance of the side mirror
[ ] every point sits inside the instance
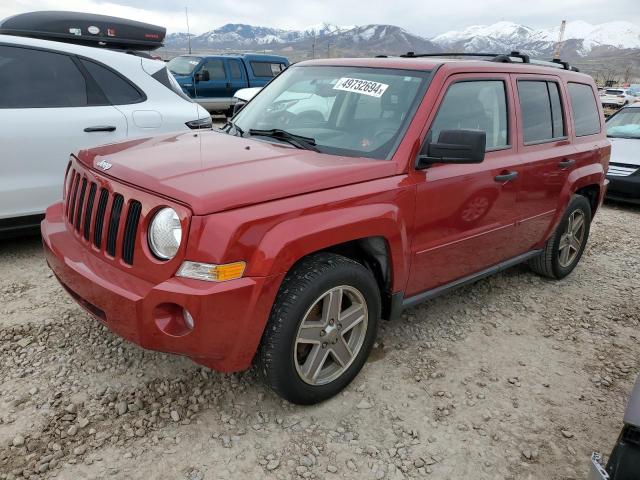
(238, 106)
(453, 146)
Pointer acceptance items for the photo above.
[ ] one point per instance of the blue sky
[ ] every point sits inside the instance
(427, 18)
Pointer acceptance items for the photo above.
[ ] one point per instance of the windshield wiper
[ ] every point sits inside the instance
(305, 143)
(229, 125)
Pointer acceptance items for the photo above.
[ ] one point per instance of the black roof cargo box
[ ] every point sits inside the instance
(85, 29)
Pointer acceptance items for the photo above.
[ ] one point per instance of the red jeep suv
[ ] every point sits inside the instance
(344, 192)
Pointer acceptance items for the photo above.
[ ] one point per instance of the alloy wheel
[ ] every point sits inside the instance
(331, 335)
(572, 238)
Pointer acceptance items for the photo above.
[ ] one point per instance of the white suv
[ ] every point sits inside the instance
(57, 98)
(617, 97)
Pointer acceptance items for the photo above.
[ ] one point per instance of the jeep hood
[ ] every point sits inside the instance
(212, 171)
(625, 150)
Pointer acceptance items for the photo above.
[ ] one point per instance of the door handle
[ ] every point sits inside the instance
(505, 177)
(100, 128)
(566, 163)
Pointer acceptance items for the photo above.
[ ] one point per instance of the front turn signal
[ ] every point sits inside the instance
(210, 272)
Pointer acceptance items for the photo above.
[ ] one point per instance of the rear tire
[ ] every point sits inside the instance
(566, 246)
(326, 303)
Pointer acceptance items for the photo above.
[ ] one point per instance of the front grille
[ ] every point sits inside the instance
(621, 169)
(91, 217)
(114, 224)
(99, 225)
(130, 231)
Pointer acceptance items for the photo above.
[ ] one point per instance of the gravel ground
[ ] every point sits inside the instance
(515, 377)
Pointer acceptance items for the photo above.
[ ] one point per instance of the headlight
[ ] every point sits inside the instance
(165, 234)
(201, 123)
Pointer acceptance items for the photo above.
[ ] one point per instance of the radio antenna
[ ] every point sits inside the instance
(186, 14)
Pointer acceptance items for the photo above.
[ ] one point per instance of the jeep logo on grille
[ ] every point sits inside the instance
(104, 165)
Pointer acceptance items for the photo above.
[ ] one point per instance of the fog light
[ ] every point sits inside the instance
(173, 319)
(188, 319)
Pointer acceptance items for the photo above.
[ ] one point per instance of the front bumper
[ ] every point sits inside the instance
(626, 189)
(229, 316)
(597, 471)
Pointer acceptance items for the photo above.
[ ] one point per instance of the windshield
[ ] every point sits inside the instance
(347, 111)
(625, 124)
(183, 65)
(614, 92)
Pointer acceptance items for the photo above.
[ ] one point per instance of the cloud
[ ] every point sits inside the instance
(427, 18)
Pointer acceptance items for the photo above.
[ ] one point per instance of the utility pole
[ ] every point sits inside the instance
(313, 46)
(558, 49)
(329, 49)
(186, 13)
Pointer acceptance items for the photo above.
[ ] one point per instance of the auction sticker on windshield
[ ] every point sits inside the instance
(365, 87)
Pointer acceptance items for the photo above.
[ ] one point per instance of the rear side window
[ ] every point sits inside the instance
(234, 67)
(117, 90)
(475, 105)
(541, 108)
(585, 110)
(267, 69)
(38, 79)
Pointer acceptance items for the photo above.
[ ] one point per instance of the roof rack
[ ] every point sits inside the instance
(497, 57)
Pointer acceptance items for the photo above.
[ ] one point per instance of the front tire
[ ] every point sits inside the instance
(566, 246)
(321, 330)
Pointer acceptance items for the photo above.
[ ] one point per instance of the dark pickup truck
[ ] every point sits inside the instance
(213, 80)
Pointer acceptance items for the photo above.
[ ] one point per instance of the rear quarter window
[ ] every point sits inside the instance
(117, 90)
(586, 116)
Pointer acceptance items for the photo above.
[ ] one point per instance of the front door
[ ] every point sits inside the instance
(466, 214)
(213, 81)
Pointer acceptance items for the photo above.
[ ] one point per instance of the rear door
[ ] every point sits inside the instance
(237, 75)
(46, 114)
(217, 86)
(466, 214)
(546, 152)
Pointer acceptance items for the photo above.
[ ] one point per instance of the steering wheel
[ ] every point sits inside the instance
(380, 137)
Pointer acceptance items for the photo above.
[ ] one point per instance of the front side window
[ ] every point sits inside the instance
(38, 79)
(117, 90)
(351, 111)
(625, 124)
(585, 110)
(475, 105)
(215, 68)
(541, 109)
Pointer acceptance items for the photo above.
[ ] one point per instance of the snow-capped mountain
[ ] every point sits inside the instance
(582, 40)
(237, 35)
(580, 37)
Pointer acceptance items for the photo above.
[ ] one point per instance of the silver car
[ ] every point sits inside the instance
(623, 129)
(624, 461)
